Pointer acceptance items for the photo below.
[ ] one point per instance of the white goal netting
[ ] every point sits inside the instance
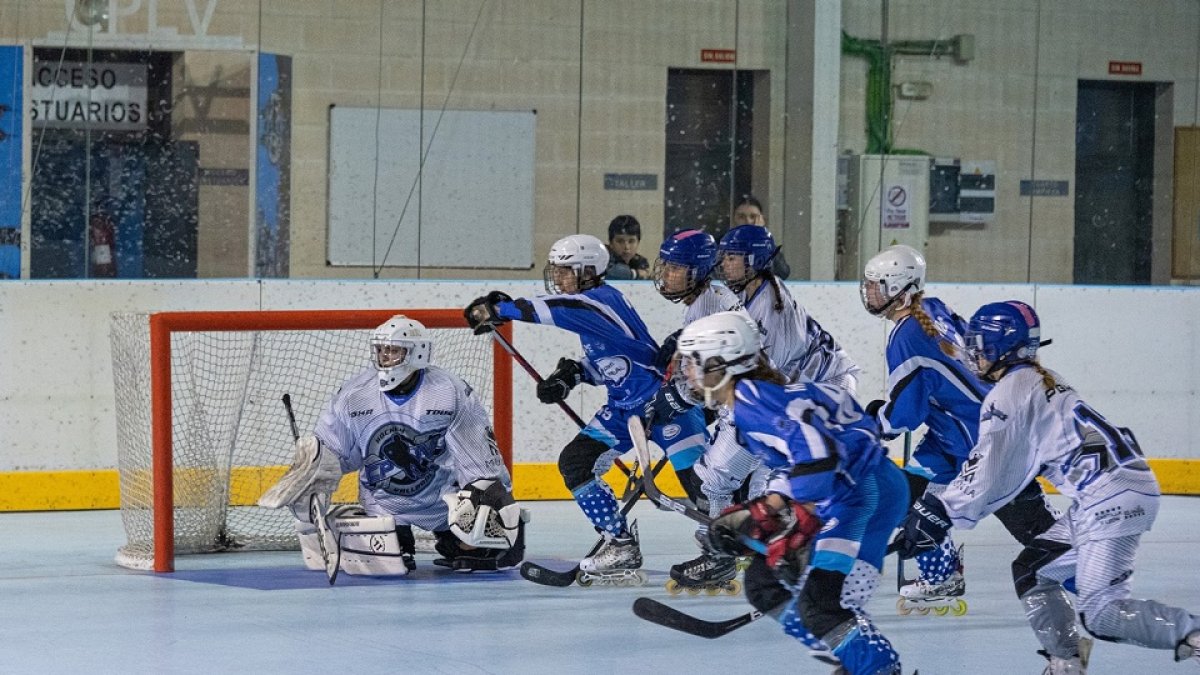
(230, 436)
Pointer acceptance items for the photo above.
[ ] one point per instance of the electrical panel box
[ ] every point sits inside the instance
(888, 197)
(962, 191)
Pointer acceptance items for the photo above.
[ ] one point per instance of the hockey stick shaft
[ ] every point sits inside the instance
(637, 433)
(900, 561)
(317, 509)
(537, 377)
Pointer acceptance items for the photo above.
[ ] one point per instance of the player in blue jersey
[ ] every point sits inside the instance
(832, 501)
(929, 383)
(620, 355)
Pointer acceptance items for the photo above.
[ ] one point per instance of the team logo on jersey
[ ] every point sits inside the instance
(991, 412)
(401, 460)
(670, 431)
(614, 369)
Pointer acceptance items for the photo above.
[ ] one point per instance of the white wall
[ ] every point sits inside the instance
(1134, 353)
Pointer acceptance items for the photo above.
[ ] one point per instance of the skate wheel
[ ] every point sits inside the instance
(640, 579)
(923, 611)
(712, 590)
(583, 580)
(941, 611)
(959, 608)
(673, 587)
(693, 590)
(733, 587)
(902, 608)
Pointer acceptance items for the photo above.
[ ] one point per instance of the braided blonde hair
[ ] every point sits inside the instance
(1048, 380)
(917, 311)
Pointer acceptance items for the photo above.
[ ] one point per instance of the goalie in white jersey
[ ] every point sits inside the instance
(426, 457)
(1031, 423)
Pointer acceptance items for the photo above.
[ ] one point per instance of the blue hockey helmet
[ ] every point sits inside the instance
(1004, 334)
(755, 247)
(692, 250)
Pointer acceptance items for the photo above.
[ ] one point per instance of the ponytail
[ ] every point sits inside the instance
(1048, 380)
(917, 311)
(763, 372)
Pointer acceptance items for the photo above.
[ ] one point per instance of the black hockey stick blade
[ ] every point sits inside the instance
(655, 612)
(548, 577)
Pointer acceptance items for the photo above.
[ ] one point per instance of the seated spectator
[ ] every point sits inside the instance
(624, 235)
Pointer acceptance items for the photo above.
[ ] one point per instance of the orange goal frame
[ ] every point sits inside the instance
(162, 324)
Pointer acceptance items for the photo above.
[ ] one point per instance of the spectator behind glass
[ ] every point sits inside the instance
(624, 235)
(749, 211)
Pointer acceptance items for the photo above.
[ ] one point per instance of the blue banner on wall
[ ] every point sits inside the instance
(272, 197)
(12, 86)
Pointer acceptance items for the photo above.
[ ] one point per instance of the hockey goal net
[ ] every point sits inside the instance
(202, 431)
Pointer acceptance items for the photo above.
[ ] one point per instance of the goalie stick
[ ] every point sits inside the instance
(317, 508)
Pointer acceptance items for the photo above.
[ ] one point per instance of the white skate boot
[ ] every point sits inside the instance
(617, 562)
(945, 598)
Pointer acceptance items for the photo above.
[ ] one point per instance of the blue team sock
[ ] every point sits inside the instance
(937, 565)
(790, 621)
(601, 507)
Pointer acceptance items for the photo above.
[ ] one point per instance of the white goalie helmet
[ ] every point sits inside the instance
(399, 348)
(892, 276)
(579, 252)
(725, 342)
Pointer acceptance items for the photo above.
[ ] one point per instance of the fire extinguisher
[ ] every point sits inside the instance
(103, 242)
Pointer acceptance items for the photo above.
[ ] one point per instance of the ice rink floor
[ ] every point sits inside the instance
(65, 607)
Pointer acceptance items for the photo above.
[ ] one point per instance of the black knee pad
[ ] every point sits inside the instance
(1027, 515)
(1036, 555)
(916, 485)
(763, 590)
(821, 602)
(691, 487)
(577, 461)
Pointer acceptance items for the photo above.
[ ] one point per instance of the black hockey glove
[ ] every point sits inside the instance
(924, 528)
(666, 404)
(481, 313)
(667, 351)
(556, 387)
(873, 408)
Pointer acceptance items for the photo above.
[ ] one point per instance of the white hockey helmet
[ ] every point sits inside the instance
(893, 275)
(399, 348)
(725, 342)
(581, 253)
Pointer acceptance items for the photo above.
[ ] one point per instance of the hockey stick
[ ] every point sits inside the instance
(317, 508)
(900, 580)
(637, 433)
(656, 612)
(545, 576)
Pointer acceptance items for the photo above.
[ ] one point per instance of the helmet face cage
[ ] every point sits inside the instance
(891, 278)
(693, 252)
(756, 247)
(725, 342)
(1003, 334)
(399, 348)
(585, 255)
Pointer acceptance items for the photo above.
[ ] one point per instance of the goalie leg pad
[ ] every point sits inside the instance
(310, 545)
(370, 546)
(484, 515)
(315, 470)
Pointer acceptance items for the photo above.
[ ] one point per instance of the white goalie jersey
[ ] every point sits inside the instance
(1025, 431)
(410, 450)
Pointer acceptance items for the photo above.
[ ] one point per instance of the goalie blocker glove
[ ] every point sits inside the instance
(481, 314)
(924, 528)
(782, 536)
(558, 385)
(484, 515)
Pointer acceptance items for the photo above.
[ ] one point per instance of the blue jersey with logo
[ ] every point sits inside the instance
(814, 436)
(618, 350)
(927, 386)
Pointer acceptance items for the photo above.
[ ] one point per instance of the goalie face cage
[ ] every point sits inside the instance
(202, 432)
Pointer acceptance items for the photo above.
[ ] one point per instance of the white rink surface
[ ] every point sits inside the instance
(65, 607)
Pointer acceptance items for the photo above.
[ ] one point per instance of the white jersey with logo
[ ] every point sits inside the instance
(798, 346)
(713, 299)
(410, 450)
(1025, 431)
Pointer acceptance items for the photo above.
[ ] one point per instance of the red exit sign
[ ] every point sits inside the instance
(1124, 67)
(718, 55)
